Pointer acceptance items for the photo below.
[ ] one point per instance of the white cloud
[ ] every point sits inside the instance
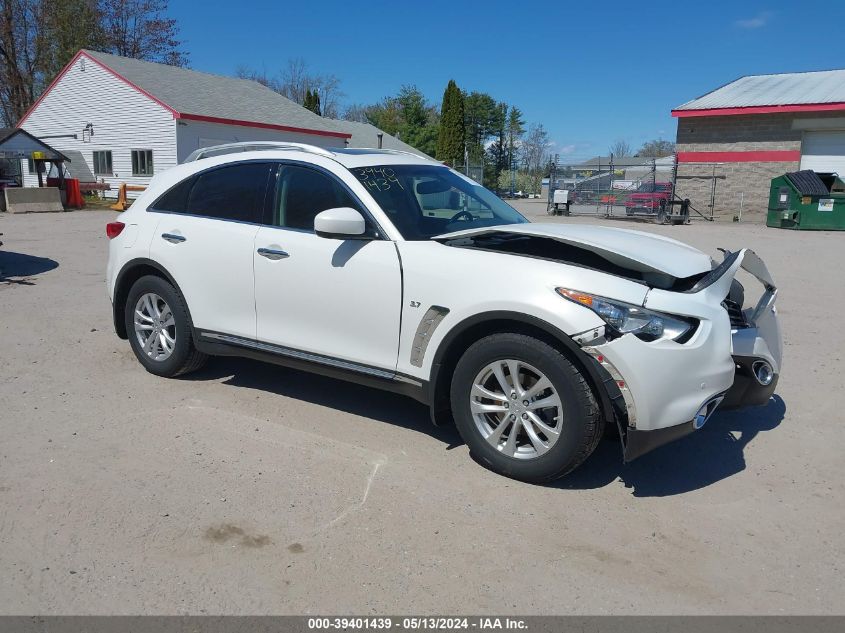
(758, 21)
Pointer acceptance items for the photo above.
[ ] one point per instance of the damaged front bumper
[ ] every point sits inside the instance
(664, 390)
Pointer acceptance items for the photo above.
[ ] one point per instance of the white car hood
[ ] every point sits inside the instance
(636, 250)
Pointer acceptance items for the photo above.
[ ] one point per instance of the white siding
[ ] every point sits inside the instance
(123, 119)
(192, 135)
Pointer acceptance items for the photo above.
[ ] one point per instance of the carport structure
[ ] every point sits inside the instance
(17, 144)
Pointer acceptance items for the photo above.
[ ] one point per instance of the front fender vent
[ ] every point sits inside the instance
(431, 319)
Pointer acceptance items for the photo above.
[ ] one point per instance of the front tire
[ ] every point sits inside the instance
(537, 427)
(159, 329)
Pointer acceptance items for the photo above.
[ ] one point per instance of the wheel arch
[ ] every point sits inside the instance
(131, 272)
(476, 327)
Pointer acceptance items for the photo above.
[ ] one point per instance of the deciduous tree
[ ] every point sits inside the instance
(535, 147)
(296, 81)
(620, 149)
(38, 38)
(141, 29)
(656, 148)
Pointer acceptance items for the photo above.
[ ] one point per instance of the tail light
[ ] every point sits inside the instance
(113, 229)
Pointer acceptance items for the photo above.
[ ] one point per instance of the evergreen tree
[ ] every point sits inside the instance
(481, 118)
(515, 130)
(450, 139)
(311, 101)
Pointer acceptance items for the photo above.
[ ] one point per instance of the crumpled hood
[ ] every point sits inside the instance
(637, 250)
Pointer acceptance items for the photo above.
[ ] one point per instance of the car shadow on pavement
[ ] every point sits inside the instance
(692, 462)
(18, 268)
(340, 395)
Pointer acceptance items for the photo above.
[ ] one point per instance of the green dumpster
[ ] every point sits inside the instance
(807, 200)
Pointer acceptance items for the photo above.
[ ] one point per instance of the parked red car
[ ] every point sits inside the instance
(649, 198)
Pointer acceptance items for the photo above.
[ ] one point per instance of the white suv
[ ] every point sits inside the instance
(397, 272)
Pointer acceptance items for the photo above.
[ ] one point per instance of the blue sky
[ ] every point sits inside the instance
(591, 72)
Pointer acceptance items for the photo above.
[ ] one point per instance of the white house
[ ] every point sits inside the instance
(121, 120)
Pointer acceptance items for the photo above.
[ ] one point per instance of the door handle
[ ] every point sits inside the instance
(173, 238)
(272, 253)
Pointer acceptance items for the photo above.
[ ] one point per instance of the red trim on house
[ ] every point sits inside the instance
(131, 85)
(762, 156)
(104, 67)
(174, 112)
(769, 109)
(264, 126)
(49, 88)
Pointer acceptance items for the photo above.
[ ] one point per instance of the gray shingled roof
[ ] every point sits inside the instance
(203, 94)
(366, 135)
(825, 86)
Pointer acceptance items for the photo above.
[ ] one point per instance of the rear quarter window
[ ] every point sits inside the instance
(232, 192)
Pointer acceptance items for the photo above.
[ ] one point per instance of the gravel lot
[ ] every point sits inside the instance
(253, 489)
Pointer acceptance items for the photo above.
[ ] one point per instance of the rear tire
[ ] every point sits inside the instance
(554, 433)
(159, 329)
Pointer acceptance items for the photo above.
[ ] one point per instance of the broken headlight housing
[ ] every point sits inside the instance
(625, 318)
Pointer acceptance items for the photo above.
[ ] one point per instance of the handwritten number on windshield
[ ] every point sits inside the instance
(378, 178)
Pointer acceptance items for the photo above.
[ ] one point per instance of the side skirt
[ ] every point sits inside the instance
(217, 344)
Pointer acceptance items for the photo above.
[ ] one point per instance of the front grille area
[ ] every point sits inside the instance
(735, 313)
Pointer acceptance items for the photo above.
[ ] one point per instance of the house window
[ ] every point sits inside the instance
(142, 162)
(32, 167)
(102, 163)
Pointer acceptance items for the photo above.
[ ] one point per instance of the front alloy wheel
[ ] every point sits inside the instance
(155, 326)
(516, 409)
(523, 408)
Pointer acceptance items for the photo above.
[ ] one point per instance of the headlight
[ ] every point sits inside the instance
(630, 319)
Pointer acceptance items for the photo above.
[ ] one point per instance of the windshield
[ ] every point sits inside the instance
(654, 187)
(427, 200)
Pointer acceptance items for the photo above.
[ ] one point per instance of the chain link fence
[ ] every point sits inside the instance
(628, 187)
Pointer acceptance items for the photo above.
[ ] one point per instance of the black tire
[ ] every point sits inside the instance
(582, 425)
(185, 357)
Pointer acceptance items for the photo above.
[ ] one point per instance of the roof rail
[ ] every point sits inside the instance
(254, 146)
(384, 150)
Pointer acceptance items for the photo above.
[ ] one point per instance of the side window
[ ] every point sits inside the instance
(176, 199)
(302, 193)
(233, 192)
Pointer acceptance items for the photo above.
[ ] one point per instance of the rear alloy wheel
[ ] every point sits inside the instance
(155, 326)
(159, 328)
(524, 410)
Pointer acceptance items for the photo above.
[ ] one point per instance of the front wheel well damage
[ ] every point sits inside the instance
(463, 335)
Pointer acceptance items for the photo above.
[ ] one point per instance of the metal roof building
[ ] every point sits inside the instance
(820, 91)
(733, 140)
